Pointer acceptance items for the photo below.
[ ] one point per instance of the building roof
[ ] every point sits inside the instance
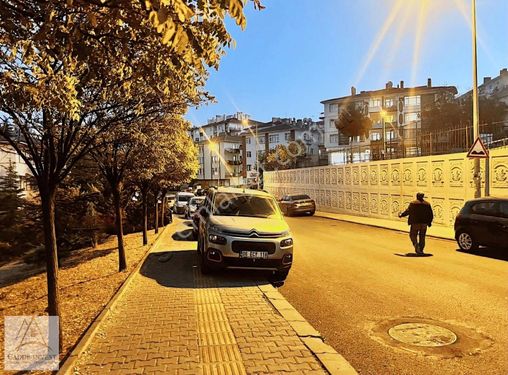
(393, 91)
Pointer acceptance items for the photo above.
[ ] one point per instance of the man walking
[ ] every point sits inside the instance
(420, 217)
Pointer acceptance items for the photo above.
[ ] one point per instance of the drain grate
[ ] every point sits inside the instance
(422, 334)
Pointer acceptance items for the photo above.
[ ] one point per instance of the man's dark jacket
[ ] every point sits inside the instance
(419, 212)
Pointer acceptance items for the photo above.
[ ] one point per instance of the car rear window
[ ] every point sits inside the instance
(184, 198)
(485, 208)
(299, 197)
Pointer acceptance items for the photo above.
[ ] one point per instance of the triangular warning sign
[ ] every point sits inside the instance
(478, 150)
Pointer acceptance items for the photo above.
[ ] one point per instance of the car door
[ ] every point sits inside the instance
(501, 229)
(484, 220)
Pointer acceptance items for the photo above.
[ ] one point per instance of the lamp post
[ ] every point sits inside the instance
(383, 114)
(476, 128)
(213, 147)
(245, 122)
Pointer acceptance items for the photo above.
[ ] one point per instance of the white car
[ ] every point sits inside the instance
(182, 199)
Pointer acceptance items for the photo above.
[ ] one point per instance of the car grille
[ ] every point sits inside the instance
(252, 234)
(238, 246)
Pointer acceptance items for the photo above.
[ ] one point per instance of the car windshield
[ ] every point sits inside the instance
(299, 197)
(229, 204)
(184, 198)
(197, 201)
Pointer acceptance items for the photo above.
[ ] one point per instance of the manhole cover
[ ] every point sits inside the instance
(422, 334)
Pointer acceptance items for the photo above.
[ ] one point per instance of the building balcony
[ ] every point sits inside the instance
(232, 150)
(234, 162)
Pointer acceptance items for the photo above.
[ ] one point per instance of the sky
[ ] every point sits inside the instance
(295, 54)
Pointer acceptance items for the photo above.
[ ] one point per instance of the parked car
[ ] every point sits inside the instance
(181, 200)
(482, 222)
(192, 207)
(170, 200)
(297, 204)
(244, 229)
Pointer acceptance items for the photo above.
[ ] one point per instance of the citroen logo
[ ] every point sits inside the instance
(253, 233)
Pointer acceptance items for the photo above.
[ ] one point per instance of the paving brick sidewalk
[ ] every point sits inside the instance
(173, 320)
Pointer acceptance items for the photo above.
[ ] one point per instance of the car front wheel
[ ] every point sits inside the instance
(466, 241)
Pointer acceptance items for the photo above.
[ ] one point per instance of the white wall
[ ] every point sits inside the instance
(384, 188)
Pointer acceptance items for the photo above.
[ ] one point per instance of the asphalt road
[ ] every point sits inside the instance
(353, 283)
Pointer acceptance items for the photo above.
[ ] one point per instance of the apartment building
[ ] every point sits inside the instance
(396, 114)
(228, 146)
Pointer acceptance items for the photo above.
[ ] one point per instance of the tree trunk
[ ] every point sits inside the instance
(117, 194)
(163, 208)
(156, 214)
(145, 218)
(48, 218)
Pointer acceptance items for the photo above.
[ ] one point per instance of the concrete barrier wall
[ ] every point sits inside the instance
(384, 188)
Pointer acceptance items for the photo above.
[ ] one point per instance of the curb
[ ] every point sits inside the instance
(332, 361)
(68, 364)
(321, 215)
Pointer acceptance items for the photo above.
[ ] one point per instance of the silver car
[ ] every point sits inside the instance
(244, 229)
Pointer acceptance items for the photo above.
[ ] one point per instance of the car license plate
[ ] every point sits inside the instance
(254, 254)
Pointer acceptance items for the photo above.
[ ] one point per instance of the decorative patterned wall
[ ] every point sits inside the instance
(384, 188)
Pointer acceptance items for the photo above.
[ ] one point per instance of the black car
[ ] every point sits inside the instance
(482, 222)
(297, 204)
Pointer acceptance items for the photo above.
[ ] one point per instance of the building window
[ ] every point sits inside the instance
(333, 107)
(261, 139)
(332, 124)
(249, 154)
(334, 139)
(249, 167)
(248, 140)
(412, 100)
(375, 136)
(410, 117)
(389, 103)
(374, 102)
(390, 135)
(274, 138)
(286, 136)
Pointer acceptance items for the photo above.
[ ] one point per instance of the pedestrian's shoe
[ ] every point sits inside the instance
(417, 249)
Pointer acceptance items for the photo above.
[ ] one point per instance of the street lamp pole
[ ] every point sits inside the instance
(476, 127)
(257, 162)
(218, 167)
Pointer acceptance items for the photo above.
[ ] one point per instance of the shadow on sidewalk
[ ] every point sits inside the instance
(184, 235)
(177, 269)
(414, 255)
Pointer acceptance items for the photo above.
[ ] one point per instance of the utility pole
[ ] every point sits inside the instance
(257, 161)
(476, 129)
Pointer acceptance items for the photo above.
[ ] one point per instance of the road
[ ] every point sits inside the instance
(353, 283)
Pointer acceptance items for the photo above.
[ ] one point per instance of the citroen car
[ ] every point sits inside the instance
(243, 229)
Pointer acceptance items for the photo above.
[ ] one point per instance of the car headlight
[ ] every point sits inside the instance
(214, 238)
(286, 243)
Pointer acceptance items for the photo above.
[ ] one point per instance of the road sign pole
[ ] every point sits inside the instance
(476, 128)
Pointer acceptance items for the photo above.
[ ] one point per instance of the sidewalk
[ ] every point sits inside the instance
(172, 320)
(434, 231)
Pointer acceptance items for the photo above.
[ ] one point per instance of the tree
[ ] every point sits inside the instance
(72, 70)
(11, 200)
(446, 114)
(352, 122)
